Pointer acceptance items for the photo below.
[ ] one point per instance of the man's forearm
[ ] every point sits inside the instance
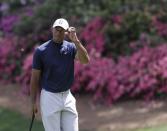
(82, 53)
(33, 95)
(33, 92)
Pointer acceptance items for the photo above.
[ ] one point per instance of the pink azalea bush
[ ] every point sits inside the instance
(142, 75)
(7, 23)
(161, 27)
(13, 51)
(93, 35)
(95, 77)
(24, 78)
(8, 58)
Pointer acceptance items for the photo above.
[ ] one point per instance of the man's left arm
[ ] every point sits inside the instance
(82, 54)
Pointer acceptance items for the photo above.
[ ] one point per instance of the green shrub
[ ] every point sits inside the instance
(120, 34)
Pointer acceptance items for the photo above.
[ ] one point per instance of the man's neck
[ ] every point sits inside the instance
(57, 42)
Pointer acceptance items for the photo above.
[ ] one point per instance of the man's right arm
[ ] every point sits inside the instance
(34, 87)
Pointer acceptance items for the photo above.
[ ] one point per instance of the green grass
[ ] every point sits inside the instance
(14, 121)
(157, 128)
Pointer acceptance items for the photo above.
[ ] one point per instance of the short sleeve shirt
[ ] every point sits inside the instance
(56, 62)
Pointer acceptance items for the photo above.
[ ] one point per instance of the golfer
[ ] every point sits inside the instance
(53, 71)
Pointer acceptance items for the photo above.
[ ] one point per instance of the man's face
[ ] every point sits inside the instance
(58, 34)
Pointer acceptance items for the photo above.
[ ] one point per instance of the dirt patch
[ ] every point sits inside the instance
(119, 117)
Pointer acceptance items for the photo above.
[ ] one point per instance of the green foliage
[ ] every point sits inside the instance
(26, 27)
(135, 23)
(14, 5)
(119, 35)
(78, 12)
(136, 18)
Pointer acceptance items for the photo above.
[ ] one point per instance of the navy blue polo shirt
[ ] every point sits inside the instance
(56, 62)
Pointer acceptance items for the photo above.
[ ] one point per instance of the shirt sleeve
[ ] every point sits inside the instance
(37, 61)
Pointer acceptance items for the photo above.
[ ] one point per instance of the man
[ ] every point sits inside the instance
(53, 71)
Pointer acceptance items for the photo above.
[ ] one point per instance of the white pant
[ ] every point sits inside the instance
(58, 111)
